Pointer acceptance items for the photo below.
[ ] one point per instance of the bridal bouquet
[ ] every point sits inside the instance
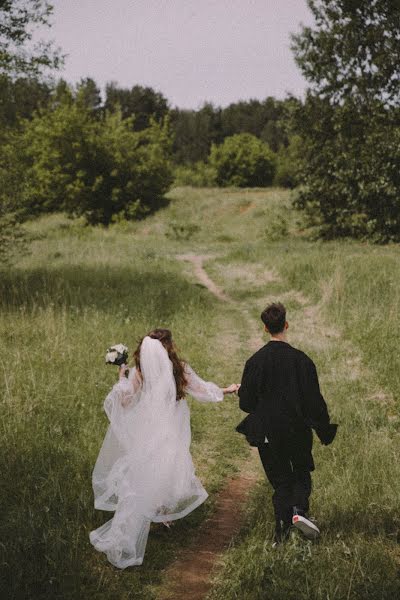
(117, 355)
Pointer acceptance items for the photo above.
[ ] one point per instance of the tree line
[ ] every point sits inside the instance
(192, 131)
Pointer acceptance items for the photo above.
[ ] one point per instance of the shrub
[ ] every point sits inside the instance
(243, 161)
(97, 168)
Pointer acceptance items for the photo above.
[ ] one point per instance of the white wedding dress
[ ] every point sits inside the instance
(144, 471)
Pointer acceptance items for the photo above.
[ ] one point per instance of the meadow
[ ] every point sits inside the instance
(82, 288)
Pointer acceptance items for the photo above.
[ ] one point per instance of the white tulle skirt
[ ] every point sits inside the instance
(144, 473)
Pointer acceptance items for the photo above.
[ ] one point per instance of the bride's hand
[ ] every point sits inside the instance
(122, 370)
(232, 389)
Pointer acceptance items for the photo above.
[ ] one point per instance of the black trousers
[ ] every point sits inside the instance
(287, 465)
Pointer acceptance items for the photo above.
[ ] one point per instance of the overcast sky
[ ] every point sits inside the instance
(190, 50)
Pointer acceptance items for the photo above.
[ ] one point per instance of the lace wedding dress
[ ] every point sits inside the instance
(144, 471)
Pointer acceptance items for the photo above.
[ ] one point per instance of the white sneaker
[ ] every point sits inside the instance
(307, 527)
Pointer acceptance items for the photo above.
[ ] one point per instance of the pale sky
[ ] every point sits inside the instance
(192, 51)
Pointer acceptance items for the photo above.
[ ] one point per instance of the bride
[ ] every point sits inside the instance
(144, 471)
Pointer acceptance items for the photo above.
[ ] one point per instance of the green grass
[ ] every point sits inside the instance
(81, 289)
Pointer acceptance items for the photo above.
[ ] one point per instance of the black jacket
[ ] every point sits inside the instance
(281, 392)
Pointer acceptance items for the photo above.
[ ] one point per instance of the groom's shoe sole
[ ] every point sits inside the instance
(307, 527)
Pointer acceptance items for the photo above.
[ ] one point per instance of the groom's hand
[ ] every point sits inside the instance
(327, 434)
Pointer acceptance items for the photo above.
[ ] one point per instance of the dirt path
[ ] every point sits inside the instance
(188, 578)
(197, 261)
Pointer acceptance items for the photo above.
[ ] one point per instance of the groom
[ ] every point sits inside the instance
(281, 392)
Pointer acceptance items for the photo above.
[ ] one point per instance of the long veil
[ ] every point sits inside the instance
(144, 471)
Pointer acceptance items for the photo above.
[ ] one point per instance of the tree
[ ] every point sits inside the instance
(20, 97)
(194, 132)
(353, 51)
(17, 21)
(142, 103)
(18, 60)
(88, 93)
(350, 124)
(244, 161)
(97, 168)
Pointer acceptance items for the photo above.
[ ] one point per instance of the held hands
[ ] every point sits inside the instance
(231, 389)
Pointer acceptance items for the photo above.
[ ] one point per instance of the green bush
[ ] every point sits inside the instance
(96, 168)
(243, 161)
(199, 174)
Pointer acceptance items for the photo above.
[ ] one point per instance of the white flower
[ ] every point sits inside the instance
(120, 348)
(111, 356)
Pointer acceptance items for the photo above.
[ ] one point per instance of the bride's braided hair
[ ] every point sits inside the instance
(165, 337)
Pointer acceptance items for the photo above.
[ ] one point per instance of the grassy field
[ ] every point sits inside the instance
(81, 289)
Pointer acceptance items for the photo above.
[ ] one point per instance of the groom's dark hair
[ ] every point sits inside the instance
(274, 317)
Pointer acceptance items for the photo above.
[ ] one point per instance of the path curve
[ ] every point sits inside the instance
(197, 261)
(189, 576)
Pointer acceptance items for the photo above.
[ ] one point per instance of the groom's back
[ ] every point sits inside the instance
(273, 385)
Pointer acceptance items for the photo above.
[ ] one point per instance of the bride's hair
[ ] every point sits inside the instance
(165, 337)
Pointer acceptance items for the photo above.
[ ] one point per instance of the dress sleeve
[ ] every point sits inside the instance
(135, 379)
(124, 393)
(204, 391)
